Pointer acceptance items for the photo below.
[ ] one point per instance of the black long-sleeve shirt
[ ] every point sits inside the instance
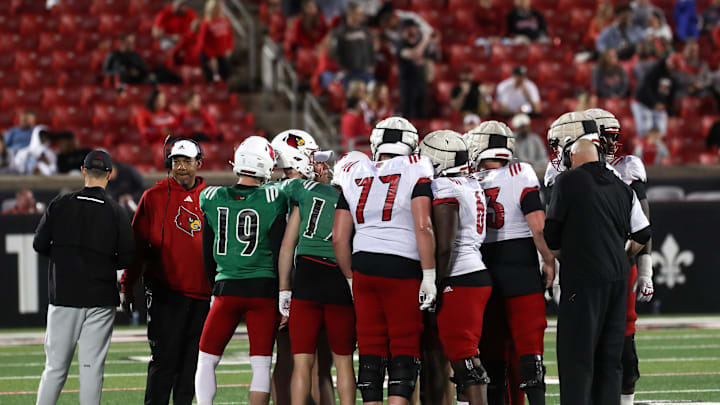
(87, 237)
(657, 86)
(589, 220)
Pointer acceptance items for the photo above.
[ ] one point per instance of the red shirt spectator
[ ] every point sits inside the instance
(215, 37)
(174, 19)
(353, 127)
(156, 121)
(24, 204)
(307, 30)
(196, 122)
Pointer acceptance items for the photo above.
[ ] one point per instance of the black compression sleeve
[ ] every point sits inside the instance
(530, 201)
(639, 188)
(342, 203)
(208, 239)
(642, 236)
(422, 189)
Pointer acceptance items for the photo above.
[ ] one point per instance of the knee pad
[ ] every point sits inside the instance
(371, 377)
(260, 373)
(532, 372)
(403, 372)
(471, 372)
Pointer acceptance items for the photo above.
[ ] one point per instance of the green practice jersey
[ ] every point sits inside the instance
(316, 202)
(241, 218)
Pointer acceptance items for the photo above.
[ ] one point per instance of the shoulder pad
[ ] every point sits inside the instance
(551, 174)
(444, 188)
(528, 175)
(635, 169)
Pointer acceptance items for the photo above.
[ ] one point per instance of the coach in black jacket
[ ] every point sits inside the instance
(87, 237)
(589, 220)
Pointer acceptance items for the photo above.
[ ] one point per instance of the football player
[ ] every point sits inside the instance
(320, 297)
(515, 223)
(300, 157)
(387, 203)
(241, 242)
(632, 172)
(459, 222)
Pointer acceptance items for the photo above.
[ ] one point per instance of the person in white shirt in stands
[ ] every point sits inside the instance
(529, 147)
(517, 94)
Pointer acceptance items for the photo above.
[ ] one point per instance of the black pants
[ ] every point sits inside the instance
(590, 337)
(175, 323)
(223, 67)
(413, 99)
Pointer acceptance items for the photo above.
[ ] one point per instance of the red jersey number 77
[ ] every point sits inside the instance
(366, 183)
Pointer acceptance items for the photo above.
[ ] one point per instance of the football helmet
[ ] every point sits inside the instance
(566, 130)
(254, 157)
(395, 136)
(447, 152)
(490, 140)
(609, 127)
(297, 149)
(350, 157)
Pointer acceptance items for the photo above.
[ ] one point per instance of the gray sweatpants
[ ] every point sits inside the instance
(89, 328)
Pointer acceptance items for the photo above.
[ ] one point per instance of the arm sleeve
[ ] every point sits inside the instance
(126, 240)
(422, 171)
(208, 240)
(639, 189)
(530, 194)
(422, 189)
(342, 203)
(43, 235)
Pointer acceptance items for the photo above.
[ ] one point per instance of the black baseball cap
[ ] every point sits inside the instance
(519, 70)
(99, 160)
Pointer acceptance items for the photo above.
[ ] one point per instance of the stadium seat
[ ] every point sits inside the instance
(7, 60)
(438, 124)
(12, 97)
(77, 78)
(336, 95)
(9, 78)
(52, 41)
(70, 60)
(552, 72)
(133, 154)
(105, 115)
(109, 6)
(7, 118)
(580, 18)
(428, 4)
(117, 24)
(76, 24)
(31, 60)
(91, 41)
(92, 94)
(65, 116)
(233, 132)
(72, 7)
(31, 24)
(15, 42)
(227, 113)
(88, 137)
(693, 107)
(510, 53)
(145, 6)
(465, 20)
(37, 78)
(57, 96)
(9, 24)
(27, 6)
(618, 106)
(191, 74)
(442, 91)
(583, 75)
(127, 134)
(486, 73)
(461, 5)
(587, 5)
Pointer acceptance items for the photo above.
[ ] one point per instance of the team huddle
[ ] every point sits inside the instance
(432, 246)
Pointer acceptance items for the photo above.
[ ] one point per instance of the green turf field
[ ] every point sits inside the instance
(681, 365)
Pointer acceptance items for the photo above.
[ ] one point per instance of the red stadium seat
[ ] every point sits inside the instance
(27, 6)
(588, 5)
(25, 97)
(461, 5)
(9, 24)
(57, 96)
(9, 78)
(110, 6)
(552, 72)
(580, 18)
(7, 118)
(91, 94)
(215, 93)
(63, 117)
(125, 134)
(7, 60)
(227, 113)
(305, 62)
(133, 154)
(145, 6)
(16, 42)
(135, 95)
(31, 24)
(486, 73)
(71, 7)
(466, 20)
(105, 115)
(37, 78)
(233, 132)
(191, 74)
(336, 94)
(692, 107)
(117, 24)
(618, 106)
(583, 75)
(442, 92)
(78, 23)
(428, 4)
(438, 124)
(77, 78)
(51, 41)
(509, 53)
(31, 60)
(70, 60)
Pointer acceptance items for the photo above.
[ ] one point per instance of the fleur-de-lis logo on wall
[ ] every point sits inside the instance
(669, 260)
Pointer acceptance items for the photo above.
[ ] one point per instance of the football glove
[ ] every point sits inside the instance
(127, 302)
(428, 291)
(284, 302)
(645, 288)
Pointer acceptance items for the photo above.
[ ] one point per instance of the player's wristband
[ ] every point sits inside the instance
(429, 275)
(644, 266)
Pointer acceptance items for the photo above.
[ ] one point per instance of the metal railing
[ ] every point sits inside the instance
(287, 84)
(246, 30)
(317, 122)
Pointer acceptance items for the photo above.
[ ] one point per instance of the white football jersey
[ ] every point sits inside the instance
(504, 190)
(551, 173)
(631, 169)
(379, 196)
(468, 195)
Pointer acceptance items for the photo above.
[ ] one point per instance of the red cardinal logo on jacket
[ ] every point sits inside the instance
(188, 221)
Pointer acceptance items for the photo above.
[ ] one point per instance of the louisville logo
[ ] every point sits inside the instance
(670, 261)
(188, 221)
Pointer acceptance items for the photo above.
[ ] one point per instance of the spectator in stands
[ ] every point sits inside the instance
(308, 30)
(609, 78)
(525, 21)
(696, 79)
(126, 185)
(710, 17)
(357, 89)
(658, 30)
(37, 157)
(7, 159)
(71, 156)
(335, 8)
(412, 71)
(644, 59)
(18, 137)
(641, 12)
(468, 96)
(172, 23)
(24, 203)
(603, 17)
(529, 147)
(655, 94)
(155, 122)
(124, 64)
(652, 150)
(378, 102)
(195, 122)
(215, 42)
(517, 94)
(621, 35)
(470, 121)
(686, 20)
(489, 19)
(353, 47)
(353, 127)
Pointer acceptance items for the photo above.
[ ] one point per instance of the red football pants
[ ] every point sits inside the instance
(389, 320)
(307, 318)
(261, 317)
(460, 320)
(521, 318)
(631, 315)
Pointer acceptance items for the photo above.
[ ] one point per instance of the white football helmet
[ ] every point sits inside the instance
(255, 158)
(395, 136)
(569, 128)
(447, 152)
(297, 149)
(609, 127)
(350, 157)
(490, 140)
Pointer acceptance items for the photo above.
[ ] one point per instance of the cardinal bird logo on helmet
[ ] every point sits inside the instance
(188, 221)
